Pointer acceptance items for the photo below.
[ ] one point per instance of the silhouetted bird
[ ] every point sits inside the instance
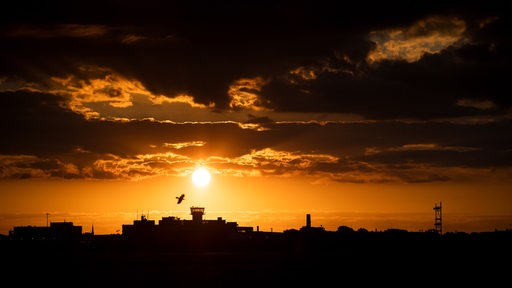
(180, 198)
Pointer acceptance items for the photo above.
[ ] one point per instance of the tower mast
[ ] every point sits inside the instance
(438, 218)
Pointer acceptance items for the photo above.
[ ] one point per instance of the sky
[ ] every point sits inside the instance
(361, 115)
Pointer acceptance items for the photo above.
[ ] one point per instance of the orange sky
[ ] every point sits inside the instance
(269, 204)
(360, 117)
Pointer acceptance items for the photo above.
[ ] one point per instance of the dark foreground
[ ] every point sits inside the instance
(271, 260)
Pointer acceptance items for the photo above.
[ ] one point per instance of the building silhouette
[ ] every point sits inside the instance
(172, 224)
(172, 231)
(56, 231)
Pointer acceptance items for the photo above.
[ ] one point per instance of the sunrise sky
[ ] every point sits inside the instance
(364, 116)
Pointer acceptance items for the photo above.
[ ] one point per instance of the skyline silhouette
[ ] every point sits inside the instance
(147, 225)
(434, 223)
(219, 253)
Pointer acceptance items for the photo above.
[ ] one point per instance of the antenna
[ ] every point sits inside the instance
(438, 224)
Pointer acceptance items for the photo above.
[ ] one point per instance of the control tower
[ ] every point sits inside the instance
(197, 214)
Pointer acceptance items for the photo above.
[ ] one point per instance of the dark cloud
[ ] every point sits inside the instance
(475, 159)
(258, 120)
(429, 88)
(45, 139)
(290, 56)
(34, 121)
(201, 47)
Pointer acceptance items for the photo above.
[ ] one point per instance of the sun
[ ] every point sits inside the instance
(201, 177)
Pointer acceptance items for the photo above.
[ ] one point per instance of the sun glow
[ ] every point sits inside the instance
(201, 177)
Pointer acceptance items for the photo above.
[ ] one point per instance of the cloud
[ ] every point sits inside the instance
(55, 31)
(430, 35)
(29, 166)
(482, 105)
(430, 88)
(186, 99)
(419, 147)
(284, 92)
(291, 58)
(339, 63)
(257, 163)
(243, 94)
(271, 157)
(122, 34)
(105, 86)
(132, 38)
(141, 166)
(185, 144)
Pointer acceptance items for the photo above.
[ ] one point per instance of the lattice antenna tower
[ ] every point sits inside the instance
(438, 218)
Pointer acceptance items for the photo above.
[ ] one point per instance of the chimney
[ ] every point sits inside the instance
(308, 220)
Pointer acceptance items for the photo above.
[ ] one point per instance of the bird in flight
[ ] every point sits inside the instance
(182, 196)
